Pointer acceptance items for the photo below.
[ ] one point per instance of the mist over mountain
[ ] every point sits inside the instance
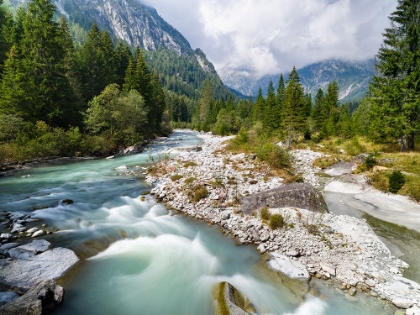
(352, 77)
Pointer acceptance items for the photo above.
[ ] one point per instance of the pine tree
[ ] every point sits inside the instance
(395, 91)
(35, 66)
(205, 106)
(258, 109)
(330, 110)
(270, 120)
(317, 117)
(4, 30)
(92, 64)
(294, 114)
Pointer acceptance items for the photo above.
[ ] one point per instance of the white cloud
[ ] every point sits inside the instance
(269, 36)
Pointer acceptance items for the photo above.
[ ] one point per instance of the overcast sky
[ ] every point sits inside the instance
(271, 36)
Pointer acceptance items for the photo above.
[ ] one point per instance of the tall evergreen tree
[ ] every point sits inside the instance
(258, 109)
(294, 114)
(317, 117)
(329, 109)
(395, 91)
(270, 120)
(205, 106)
(35, 65)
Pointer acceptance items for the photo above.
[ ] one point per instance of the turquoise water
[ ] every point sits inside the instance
(152, 262)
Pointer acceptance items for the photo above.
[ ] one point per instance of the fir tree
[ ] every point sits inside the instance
(395, 92)
(34, 82)
(293, 114)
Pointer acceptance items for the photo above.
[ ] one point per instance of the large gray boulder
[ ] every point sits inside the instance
(299, 195)
(43, 297)
(24, 274)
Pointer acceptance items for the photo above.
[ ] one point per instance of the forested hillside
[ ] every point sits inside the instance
(60, 99)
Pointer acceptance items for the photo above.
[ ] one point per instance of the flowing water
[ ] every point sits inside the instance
(137, 257)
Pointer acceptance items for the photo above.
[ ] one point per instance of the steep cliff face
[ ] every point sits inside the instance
(129, 20)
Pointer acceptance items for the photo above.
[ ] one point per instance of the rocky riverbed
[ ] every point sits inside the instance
(209, 184)
(29, 266)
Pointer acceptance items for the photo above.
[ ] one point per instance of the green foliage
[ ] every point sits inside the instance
(370, 161)
(191, 163)
(121, 115)
(396, 181)
(395, 92)
(276, 221)
(273, 155)
(176, 177)
(354, 147)
(294, 115)
(264, 213)
(198, 192)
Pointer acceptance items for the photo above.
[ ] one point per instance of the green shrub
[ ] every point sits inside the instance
(396, 181)
(264, 213)
(370, 161)
(273, 155)
(276, 221)
(199, 192)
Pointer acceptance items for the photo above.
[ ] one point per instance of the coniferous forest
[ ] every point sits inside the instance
(94, 98)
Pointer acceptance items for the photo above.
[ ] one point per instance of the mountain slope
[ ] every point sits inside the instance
(352, 77)
(139, 25)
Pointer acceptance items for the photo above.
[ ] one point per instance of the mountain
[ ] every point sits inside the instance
(352, 77)
(168, 52)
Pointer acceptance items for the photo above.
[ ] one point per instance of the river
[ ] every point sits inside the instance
(140, 258)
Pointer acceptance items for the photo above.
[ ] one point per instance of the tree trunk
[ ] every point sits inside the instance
(403, 143)
(410, 141)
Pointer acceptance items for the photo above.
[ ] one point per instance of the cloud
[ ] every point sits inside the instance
(269, 36)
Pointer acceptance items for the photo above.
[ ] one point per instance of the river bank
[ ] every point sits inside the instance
(342, 247)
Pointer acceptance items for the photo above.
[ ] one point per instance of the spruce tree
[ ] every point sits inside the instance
(258, 108)
(395, 91)
(34, 82)
(294, 117)
(270, 121)
(330, 110)
(317, 117)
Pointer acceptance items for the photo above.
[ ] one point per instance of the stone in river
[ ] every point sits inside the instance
(261, 249)
(36, 246)
(38, 233)
(291, 268)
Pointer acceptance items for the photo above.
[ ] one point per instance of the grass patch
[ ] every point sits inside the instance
(264, 213)
(189, 180)
(198, 192)
(191, 163)
(379, 180)
(325, 161)
(176, 177)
